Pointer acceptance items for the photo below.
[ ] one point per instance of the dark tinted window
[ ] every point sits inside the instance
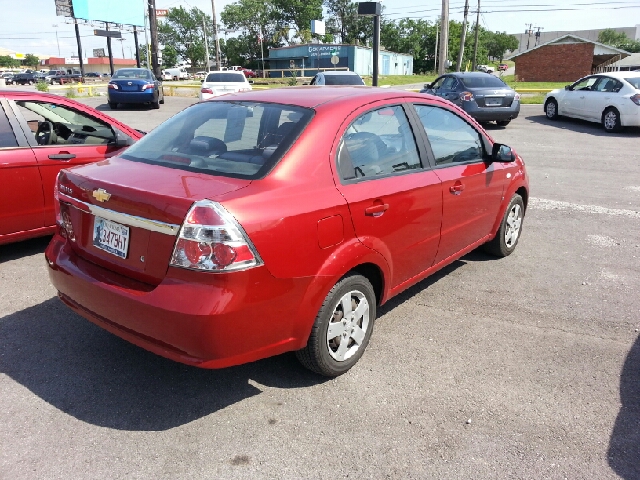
(235, 139)
(483, 81)
(225, 77)
(452, 139)
(380, 142)
(7, 139)
(133, 73)
(343, 80)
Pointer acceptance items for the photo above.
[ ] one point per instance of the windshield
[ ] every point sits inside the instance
(343, 80)
(234, 139)
(226, 77)
(132, 73)
(483, 81)
(634, 81)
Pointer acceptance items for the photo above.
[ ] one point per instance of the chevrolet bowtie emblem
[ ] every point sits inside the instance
(101, 195)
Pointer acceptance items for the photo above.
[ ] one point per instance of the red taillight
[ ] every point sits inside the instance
(206, 90)
(113, 86)
(210, 239)
(516, 97)
(466, 96)
(147, 86)
(636, 99)
(244, 90)
(66, 227)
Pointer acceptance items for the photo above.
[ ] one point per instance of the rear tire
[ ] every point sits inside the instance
(551, 109)
(113, 105)
(503, 123)
(342, 328)
(611, 120)
(505, 241)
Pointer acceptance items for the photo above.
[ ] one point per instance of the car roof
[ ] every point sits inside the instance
(620, 74)
(332, 73)
(469, 74)
(311, 96)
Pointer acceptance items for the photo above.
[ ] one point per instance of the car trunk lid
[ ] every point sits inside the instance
(126, 215)
(130, 84)
(493, 97)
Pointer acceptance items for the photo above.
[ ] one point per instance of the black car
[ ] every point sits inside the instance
(483, 96)
(28, 78)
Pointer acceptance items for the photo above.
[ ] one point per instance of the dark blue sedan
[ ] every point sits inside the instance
(135, 85)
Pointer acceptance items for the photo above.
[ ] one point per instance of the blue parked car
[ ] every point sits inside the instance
(135, 85)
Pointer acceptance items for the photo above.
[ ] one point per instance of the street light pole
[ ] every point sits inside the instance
(57, 41)
(215, 35)
(444, 37)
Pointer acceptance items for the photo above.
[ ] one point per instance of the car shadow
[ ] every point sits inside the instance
(103, 380)
(25, 248)
(104, 107)
(624, 444)
(582, 126)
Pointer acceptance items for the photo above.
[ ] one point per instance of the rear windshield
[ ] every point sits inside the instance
(483, 81)
(132, 73)
(343, 80)
(225, 77)
(232, 139)
(634, 81)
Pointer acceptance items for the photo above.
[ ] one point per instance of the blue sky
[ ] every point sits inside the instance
(32, 30)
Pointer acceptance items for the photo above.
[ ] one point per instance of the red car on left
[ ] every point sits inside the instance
(40, 134)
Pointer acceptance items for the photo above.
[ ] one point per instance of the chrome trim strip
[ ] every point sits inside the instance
(125, 218)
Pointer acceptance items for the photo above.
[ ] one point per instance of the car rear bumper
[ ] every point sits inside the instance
(131, 97)
(631, 119)
(487, 114)
(201, 319)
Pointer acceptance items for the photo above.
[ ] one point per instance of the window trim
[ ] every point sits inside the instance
(486, 143)
(14, 123)
(425, 162)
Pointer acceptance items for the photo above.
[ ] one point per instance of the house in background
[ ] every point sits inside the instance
(565, 59)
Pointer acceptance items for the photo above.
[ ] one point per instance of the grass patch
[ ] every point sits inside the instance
(533, 99)
(511, 81)
(71, 93)
(394, 80)
(42, 86)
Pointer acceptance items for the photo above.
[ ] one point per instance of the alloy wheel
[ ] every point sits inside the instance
(348, 326)
(551, 109)
(514, 221)
(610, 120)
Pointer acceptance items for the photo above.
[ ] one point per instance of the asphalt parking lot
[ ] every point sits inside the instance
(525, 367)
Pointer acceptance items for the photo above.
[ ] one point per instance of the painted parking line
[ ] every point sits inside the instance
(544, 204)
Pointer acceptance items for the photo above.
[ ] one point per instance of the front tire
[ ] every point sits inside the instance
(611, 120)
(505, 241)
(342, 328)
(551, 109)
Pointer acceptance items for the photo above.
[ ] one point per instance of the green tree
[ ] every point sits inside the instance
(345, 23)
(184, 32)
(298, 14)
(8, 62)
(31, 60)
(618, 40)
(498, 43)
(169, 56)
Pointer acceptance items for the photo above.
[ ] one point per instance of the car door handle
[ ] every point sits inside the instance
(376, 209)
(62, 156)
(457, 188)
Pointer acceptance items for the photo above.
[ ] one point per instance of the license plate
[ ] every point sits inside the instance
(111, 237)
(492, 102)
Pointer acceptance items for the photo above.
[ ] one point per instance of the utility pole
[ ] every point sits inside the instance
(75, 21)
(153, 30)
(206, 46)
(215, 35)
(528, 31)
(463, 36)
(435, 55)
(444, 37)
(475, 46)
(109, 50)
(538, 35)
(135, 39)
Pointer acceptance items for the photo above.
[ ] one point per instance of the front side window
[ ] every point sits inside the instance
(585, 83)
(53, 124)
(452, 139)
(235, 139)
(379, 142)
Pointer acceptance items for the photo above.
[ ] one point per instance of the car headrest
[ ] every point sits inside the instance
(201, 145)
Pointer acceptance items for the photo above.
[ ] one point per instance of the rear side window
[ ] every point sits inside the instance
(234, 139)
(452, 139)
(7, 138)
(634, 81)
(378, 143)
(225, 77)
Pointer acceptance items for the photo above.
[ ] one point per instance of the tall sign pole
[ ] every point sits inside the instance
(215, 35)
(135, 39)
(373, 9)
(153, 27)
(79, 47)
(109, 50)
(475, 45)
(444, 38)
(206, 45)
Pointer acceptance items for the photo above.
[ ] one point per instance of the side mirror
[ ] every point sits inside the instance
(122, 140)
(567, 87)
(428, 86)
(251, 82)
(502, 153)
(202, 80)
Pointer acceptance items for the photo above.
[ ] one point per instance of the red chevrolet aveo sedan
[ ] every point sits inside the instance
(266, 222)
